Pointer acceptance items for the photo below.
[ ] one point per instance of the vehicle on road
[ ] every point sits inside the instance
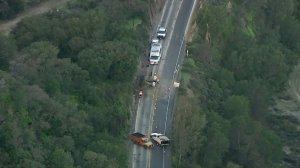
(154, 40)
(161, 33)
(156, 47)
(160, 139)
(141, 139)
(155, 53)
(154, 58)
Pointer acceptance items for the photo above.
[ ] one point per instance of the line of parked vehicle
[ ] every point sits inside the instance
(154, 59)
(156, 46)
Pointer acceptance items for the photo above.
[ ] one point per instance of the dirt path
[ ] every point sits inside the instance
(39, 9)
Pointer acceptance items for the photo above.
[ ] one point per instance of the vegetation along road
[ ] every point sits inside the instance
(238, 102)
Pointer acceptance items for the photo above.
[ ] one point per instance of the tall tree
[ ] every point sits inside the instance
(7, 51)
(61, 159)
(216, 144)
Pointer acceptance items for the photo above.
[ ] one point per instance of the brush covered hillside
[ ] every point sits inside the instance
(66, 82)
(240, 59)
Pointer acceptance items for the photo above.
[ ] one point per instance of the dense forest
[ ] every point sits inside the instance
(66, 82)
(240, 58)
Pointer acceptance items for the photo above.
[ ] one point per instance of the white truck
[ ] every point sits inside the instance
(160, 139)
(155, 53)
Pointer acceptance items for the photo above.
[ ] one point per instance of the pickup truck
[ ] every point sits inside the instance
(160, 139)
(141, 139)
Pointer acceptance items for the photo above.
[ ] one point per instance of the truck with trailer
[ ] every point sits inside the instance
(141, 139)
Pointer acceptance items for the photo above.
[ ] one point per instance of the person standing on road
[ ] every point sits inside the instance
(140, 93)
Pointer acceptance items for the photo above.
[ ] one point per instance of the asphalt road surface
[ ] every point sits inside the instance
(155, 108)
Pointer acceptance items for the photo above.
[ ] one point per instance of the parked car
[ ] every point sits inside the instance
(154, 40)
(154, 58)
(156, 47)
(155, 53)
(161, 33)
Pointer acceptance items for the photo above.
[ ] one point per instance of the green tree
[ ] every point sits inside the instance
(33, 60)
(95, 62)
(30, 163)
(61, 159)
(246, 139)
(10, 8)
(92, 159)
(289, 33)
(37, 28)
(233, 165)
(236, 106)
(7, 51)
(216, 144)
(119, 69)
(236, 77)
(279, 10)
(225, 78)
(64, 97)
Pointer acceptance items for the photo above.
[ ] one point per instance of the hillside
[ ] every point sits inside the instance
(239, 61)
(66, 84)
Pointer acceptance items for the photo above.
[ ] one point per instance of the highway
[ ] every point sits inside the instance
(155, 108)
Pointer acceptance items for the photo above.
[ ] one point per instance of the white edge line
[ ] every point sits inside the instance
(175, 73)
(182, 40)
